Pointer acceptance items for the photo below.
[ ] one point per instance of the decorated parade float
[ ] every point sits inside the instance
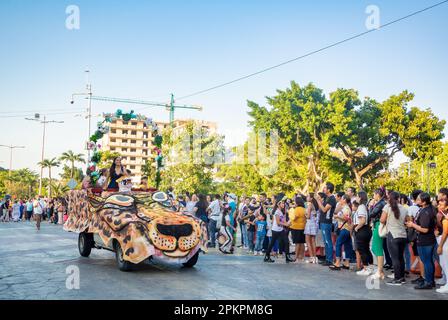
(137, 225)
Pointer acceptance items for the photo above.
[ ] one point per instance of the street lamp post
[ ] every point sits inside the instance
(44, 122)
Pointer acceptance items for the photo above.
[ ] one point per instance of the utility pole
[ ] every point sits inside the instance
(172, 111)
(11, 148)
(88, 95)
(44, 122)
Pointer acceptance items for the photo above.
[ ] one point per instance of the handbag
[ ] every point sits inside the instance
(382, 230)
(338, 230)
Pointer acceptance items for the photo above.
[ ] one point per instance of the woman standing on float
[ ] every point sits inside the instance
(117, 170)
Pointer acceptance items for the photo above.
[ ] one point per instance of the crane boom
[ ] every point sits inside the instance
(169, 106)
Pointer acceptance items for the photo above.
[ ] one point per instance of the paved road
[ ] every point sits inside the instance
(33, 266)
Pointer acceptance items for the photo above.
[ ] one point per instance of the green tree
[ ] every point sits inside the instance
(441, 172)
(373, 133)
(49, 164)
(190, 157)
(66, 173)
(72, 158)
(59, 189)
(306, 123)
(107, 158)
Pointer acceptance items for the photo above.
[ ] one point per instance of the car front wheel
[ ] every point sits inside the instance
(85, 244)
(122, 264)
(191, 263)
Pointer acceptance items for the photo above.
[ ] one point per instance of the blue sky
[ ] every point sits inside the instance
(147, 49)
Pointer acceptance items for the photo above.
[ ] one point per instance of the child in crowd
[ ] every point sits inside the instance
(261, 225)
(143, 184)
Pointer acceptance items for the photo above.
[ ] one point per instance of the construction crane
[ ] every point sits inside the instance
(169, 106)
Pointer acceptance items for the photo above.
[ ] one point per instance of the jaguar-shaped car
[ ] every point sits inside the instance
(137, 226)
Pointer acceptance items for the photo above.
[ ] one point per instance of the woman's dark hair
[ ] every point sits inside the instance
(314, 202)
(363, 197)
(415, 194)
(276, 206)
(380, 192)
(394, 197)
(404, 199)
(299, 202)
(346, 198)
(444, 191)
(425, 198)
(340, 194)
(322, 195)
(202, 203)
(112, 167)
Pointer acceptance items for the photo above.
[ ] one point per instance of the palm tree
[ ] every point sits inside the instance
(49, 163)
(28, 178)
(59, 189)
(72, 157)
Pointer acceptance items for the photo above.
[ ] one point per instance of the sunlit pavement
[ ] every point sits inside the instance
(33, 265)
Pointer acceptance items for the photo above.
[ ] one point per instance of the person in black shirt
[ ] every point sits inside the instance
(327, 209)
(200, 208)
(253, 211)
(425, 225)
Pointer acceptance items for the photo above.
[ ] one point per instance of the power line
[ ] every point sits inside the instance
(312, 52)
(37, 111)
(51, 113)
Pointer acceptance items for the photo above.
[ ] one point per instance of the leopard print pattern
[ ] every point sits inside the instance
(135, 220)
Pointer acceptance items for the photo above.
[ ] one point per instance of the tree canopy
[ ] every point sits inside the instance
(341, 137)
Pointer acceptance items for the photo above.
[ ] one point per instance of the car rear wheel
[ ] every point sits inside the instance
(122, 264)
(191, 263)
(85, 244)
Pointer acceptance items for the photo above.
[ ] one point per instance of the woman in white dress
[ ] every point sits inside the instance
(311, 228)
(16, 211)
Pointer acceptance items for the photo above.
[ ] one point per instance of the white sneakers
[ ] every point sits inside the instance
(312, 260)
(443, 289)
(441, 282)
(364, 272)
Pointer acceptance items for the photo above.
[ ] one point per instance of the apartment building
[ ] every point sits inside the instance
(134, 141)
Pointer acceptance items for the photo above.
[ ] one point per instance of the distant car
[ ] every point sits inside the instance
(136, 226)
